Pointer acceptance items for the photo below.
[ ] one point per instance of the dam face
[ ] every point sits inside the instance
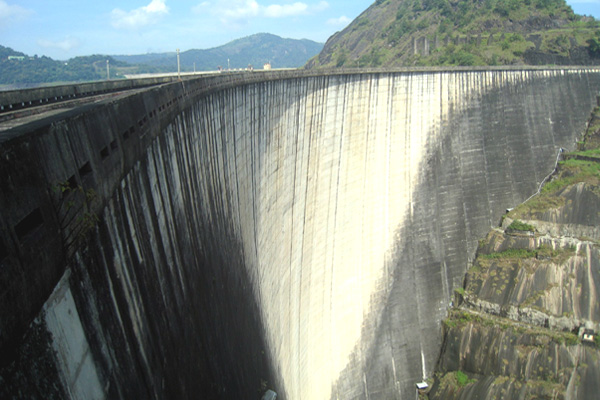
(301, 232)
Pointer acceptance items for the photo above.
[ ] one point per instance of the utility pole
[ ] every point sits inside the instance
(194, 67)
(108, 70)
(178, 66)
(228, 67)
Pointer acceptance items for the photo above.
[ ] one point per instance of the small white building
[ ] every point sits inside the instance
(267, 66)
(589, 336)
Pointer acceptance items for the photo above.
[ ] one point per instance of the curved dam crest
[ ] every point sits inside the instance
(303, 234)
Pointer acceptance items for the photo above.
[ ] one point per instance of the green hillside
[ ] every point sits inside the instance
(19, 69)
(255, 50)
(464, 32)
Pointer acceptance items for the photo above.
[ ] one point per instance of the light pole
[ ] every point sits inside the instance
(228, 67)
(108, 70)
(178, 66)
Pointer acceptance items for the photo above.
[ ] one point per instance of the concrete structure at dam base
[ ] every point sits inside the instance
(294, 231)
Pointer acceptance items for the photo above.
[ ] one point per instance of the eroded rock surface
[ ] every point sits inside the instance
(528, 315)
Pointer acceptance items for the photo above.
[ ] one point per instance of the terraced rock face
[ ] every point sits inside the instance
(505, 360)
(530, 301)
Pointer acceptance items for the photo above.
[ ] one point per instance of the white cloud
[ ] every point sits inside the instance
(10, 13)
(156, 6)
(287, 10)
(341, 21)
(236, 12)
(140, 16)
(65, 45)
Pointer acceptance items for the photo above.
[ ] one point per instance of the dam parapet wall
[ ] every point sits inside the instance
(24, 98)
(311, 225)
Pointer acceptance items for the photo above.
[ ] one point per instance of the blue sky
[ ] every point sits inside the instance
(62, 29)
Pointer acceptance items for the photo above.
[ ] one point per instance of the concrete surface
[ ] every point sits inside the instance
(287, 230)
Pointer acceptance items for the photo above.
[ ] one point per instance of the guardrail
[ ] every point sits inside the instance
(12, 100)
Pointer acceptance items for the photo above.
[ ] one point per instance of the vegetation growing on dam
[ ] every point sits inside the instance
(517, 225)
(526, 322)
(464, 32)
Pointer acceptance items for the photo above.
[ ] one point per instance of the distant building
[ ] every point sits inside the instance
(267, 66)
(589, 336)
(18, 58)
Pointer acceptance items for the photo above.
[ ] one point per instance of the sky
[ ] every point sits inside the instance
(63, 29)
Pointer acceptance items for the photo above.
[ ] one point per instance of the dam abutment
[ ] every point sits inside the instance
(294, 231)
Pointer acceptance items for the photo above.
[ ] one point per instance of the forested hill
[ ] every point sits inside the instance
(464, 32)
(254, 50)
(20, 69)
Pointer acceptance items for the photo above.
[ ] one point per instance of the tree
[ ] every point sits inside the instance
(594, 47)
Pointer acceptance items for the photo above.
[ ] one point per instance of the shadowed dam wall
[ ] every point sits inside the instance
(302, 233)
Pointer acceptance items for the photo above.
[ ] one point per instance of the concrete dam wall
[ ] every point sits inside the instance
(291, 231)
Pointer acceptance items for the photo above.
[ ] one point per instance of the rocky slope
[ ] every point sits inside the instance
(525, 323)
(464, 32)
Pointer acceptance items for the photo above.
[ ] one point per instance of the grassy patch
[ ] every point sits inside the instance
(462, 379)
(546, 252)
(548, 388)
(558, 256)
(454, 380)
(541, 336)
(475, 275)
(574, 171)
(458, 318)
(520, 226)
(539, 205)
(509, 254)
(571, 172)
(589, 153)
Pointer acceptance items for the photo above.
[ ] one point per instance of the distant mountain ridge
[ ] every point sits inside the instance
(19, 70)
(464, 32)
(255, 50)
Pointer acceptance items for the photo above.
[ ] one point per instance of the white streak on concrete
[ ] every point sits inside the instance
(70, 344)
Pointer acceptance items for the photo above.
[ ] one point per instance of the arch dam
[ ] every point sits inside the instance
(298, 231)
